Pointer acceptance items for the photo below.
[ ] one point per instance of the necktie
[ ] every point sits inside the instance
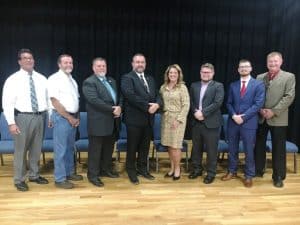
(243, 89)
(144, 83)
(110, 89)
(33, 98)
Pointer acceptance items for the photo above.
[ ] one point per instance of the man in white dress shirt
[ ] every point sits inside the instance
(24, 102)
(64, 96)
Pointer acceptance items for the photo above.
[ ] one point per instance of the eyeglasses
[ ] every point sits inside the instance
(26, 58)
(242, 67)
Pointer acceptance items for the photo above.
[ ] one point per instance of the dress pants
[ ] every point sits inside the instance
(63, 146)
(278, 136)
(205, 139)
(100, 155)
(30, 139)
(138, 141)
(235, 134)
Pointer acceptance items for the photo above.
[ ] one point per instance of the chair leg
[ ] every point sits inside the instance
(148, 167)
(79, 158)
(156, 161)
(44, 159)
(295, 162)
(2, 161)
(186, 161)
(75, 160)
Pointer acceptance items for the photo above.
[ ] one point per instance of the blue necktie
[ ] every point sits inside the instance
(33, 98)
(110, 89)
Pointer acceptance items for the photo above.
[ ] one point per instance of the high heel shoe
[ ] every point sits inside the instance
(167, 175)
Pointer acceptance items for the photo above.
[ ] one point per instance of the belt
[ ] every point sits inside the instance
(29, 113)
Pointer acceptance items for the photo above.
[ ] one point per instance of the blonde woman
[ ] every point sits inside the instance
(176, 104)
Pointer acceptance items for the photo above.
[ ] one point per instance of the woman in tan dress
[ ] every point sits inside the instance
(176, 104)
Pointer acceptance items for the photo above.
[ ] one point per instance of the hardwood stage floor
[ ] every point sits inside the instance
(161, 201)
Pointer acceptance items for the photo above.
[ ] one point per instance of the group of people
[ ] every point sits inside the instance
(255, 106)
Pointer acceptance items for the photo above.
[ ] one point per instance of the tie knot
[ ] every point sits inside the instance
(244, 82)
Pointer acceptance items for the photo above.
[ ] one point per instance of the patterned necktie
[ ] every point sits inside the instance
(144, 83)
(243, 89)
(33, 98)
(110, 89)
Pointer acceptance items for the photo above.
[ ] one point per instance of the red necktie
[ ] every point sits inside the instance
(243, 89)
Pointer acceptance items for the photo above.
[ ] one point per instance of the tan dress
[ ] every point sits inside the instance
(176, 106)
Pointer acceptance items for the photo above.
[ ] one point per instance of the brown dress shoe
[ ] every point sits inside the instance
(248, 182)
(228, 176)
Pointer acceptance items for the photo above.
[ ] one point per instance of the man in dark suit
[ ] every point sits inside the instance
(206, 99)
(245, 99)
(139, 92)
(103, 112)
(280, 94)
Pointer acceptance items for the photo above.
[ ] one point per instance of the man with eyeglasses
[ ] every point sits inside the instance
(245, 99)
(24, 103)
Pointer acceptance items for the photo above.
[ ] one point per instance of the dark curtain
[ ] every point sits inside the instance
(187, 32)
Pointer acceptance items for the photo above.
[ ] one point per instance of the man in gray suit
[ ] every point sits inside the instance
(206, 97)
(103, 112)
(280, 93)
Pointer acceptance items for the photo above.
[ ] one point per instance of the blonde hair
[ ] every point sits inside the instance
(180, 75)
(272, 54)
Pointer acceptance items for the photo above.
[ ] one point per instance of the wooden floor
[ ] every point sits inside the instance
(162, 201)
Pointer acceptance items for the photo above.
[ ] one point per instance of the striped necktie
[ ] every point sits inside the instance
(33, 98)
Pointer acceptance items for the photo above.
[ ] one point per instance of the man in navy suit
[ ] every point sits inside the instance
(139, 92)
(245, 99)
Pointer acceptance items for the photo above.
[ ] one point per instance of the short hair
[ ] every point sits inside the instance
(245, 61)
(22, 51)
(138, 54)
(62, 56)
(272, 54)
(98, 59)
(208, 65)
(180, 74)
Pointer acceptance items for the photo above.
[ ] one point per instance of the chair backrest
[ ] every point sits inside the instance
(156, 126)
(4, 131)
(224, 127)
(123, 131)
(83, 134)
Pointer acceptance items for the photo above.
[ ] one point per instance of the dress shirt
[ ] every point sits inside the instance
(108, 87)
(247, 78)
(202, 92)
(63, 87)
(16, 94)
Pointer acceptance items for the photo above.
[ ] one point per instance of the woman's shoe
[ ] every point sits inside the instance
(176, 178)
(167, 175)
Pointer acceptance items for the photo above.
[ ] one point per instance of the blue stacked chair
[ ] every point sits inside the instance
(6, 141)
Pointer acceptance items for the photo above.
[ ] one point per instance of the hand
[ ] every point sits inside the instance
(117, 111)
(238, 119)
(262, 112)
(50, 124)
(199, 115)
(73, 121)
(175, 124)
(14, 129)
(269, 114)
(153, 107)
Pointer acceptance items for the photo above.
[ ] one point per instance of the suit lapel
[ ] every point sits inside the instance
(101, 86)
(210, 84)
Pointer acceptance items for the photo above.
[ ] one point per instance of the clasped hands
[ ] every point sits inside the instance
(117, 110)
(199, 115)
(153, 107)
(266, 113)
(238, 118)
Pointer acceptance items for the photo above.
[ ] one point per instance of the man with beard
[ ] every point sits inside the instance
(64, 96)
(139, 92)
(245, 99)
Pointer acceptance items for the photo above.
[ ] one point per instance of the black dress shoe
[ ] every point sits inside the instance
(39, 180)
(146, 175)
(278, 182)
(176, 178)
(259, 174)
(167, 175)
(133, 179)
(22, 186)
(97, 182)
(208, 180)
(110, 174)
(195, 174)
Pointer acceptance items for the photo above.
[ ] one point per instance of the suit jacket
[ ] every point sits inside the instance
(249, 104)
(137, 99)
(280, 94)
(99, 102)
(211, 103)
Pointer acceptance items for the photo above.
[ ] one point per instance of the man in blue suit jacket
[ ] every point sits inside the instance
(245, 99)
